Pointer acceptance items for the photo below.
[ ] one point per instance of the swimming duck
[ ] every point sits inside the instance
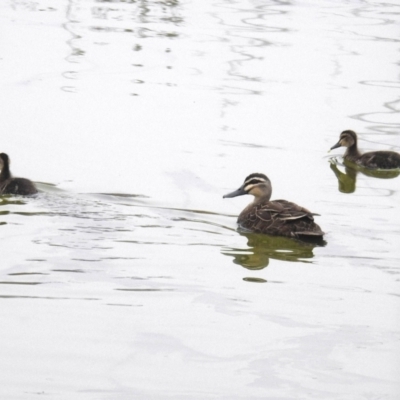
(10, 185)
(277, 217)
(373, 159)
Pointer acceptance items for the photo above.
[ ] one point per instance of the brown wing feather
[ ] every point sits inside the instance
(380, 159)
(281, 218)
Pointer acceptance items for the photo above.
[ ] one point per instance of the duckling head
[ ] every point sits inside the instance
(347, 139)
(255, 184)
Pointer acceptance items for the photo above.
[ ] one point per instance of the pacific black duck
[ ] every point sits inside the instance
(373, 159)
(277, 217)
(10, 185)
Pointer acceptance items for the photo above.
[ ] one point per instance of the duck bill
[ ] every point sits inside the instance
(336, 145)
(239, 192)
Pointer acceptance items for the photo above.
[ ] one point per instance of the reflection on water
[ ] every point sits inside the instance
(119, 27)
(347, 179)
(260, 248)
(383, 118)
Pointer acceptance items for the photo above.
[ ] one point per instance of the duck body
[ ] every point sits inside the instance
(378, 159)
(277, 217)
(11, 185)
(19, 186)
(382, 159)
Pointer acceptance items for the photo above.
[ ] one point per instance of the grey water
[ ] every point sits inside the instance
(125, 277)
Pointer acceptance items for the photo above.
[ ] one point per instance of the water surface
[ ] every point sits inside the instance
(125, 277)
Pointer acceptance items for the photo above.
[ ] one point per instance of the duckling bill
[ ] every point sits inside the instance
(11, 185)
(374, 159)
(277, 217)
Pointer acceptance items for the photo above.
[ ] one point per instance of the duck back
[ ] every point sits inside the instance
(380, 159)
(280, 218)
(19, 186)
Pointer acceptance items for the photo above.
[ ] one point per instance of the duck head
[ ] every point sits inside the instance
(347, 139)
(255, 184)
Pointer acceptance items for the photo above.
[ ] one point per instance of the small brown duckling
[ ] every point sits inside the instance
(10, 185)
(277, 217)
(373, 159)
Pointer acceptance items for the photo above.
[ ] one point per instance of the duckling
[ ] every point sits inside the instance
(373, 159)
(10, 185)
(277, 217)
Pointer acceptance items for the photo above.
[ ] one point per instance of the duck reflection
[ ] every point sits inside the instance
(263, 247)
(347, 179)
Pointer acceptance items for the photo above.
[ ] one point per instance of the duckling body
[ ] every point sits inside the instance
(277, 217)
(374, 159)
(11, 185)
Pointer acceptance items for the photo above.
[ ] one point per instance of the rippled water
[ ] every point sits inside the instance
(125, 277)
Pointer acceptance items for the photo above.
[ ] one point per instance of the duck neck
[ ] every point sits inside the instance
(5, 173)
(262, 198)
(352, 152)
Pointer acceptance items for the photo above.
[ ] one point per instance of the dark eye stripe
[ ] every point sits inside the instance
(255, 181)
(346, 136)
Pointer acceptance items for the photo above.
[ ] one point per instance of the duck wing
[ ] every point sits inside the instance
(283, 210)
(19, 186)
(281, 218)
(381, 159)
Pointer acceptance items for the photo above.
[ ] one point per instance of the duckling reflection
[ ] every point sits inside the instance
(262, 247)
(347, 179)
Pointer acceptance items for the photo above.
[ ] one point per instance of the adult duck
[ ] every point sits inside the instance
(277, 217)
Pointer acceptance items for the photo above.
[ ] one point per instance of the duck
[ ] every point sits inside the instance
(374, 159)
(277, 217)
(11, 185)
